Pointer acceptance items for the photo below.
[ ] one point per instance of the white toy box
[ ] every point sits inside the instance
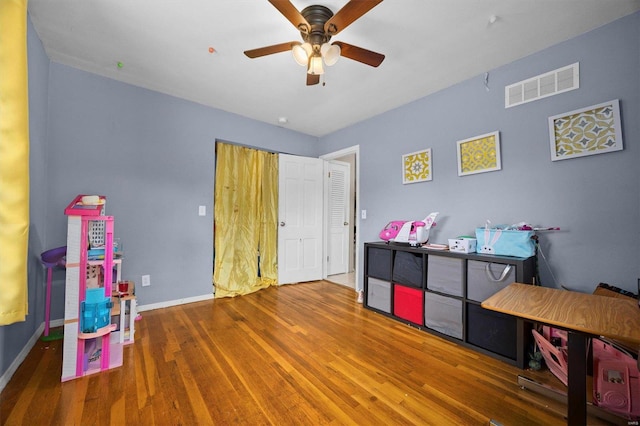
(462, 245)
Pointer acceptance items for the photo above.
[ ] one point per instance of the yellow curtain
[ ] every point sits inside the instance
(14, 161)
(268, 244)
(245, 220)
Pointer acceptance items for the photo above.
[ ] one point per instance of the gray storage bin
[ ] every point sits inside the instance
(379, 263)
(484, 279)
(443, 314)
(379, 295)
(445, 274)
(407, 268)
(493, 331)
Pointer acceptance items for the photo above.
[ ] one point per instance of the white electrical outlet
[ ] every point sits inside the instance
(363, 214)
(146, 280)
(202, 210)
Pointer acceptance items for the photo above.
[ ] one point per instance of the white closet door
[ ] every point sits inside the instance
(300, 219)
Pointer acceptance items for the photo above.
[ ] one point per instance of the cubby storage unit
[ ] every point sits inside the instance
(440, 292)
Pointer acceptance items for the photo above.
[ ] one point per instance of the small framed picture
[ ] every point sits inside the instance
(587, 131)
(479, 154)
(416, 167)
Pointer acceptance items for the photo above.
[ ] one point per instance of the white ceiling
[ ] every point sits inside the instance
(163, 45)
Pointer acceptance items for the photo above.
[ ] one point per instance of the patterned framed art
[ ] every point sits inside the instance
(587, 131)
(479, 154)
(416, 167)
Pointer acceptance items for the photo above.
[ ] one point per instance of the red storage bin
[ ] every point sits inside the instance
(408, 303)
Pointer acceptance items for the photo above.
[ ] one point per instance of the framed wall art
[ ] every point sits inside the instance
(479, 154)
(416, 167)
(587, 131)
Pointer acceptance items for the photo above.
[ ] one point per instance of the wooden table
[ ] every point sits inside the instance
(583, 316)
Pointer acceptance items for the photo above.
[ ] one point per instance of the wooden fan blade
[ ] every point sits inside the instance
(292, 14)
(359, 54)
(269, 50)
(312, 79)
(349, 13)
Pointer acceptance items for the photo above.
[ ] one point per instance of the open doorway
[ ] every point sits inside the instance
(350, 156)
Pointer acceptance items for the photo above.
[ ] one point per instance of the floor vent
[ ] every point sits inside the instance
(544, 85)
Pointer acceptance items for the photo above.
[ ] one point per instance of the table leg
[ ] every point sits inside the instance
(123, 305)
(132, 318)
(577, 387)
(47, 306)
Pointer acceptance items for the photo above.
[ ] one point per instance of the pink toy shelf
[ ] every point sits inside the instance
(89, 345)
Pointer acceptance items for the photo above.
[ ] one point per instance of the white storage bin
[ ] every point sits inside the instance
(443, 314)
(484, 279)
(379, 295)
(445, 274)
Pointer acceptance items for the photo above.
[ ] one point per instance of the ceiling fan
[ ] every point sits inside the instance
(317, 24)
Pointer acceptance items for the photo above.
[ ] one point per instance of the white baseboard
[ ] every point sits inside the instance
(4, 379)
(169, 303)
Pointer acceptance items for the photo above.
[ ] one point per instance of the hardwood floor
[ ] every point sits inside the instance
(304, 354)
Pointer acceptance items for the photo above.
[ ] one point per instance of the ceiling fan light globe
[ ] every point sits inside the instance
(300, 55)
(315, 65)
(324, 48)
(331, 54)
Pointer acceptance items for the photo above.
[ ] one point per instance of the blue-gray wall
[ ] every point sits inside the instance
(152, 155)
(595, 199)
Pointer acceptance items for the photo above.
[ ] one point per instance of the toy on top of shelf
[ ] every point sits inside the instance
(412, 232)
(88, 207)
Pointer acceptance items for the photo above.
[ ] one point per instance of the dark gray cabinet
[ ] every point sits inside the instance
(441, 291)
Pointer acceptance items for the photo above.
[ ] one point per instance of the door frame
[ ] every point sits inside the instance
(332, 156)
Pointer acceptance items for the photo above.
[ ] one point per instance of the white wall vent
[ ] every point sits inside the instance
(544, 85)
